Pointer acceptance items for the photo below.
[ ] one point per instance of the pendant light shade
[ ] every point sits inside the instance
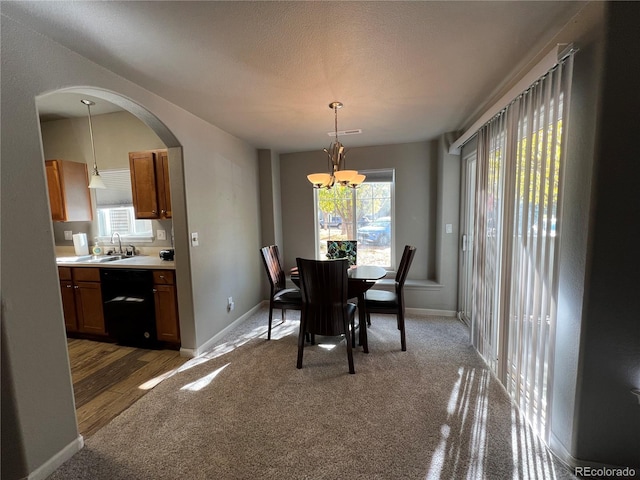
(336, 154)
(96, 179)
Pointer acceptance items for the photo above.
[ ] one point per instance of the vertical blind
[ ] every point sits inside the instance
(517, 227)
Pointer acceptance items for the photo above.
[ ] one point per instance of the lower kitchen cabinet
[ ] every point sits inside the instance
(82, 300)
(164, 290)
(68, 299)
(83, 307)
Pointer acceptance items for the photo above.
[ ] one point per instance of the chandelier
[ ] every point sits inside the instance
(336, 154)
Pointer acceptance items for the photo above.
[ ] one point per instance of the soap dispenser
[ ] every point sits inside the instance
(97, 249)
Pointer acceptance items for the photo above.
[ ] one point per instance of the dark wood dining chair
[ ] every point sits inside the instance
(380, 301)
(325, 307)
(281, 297)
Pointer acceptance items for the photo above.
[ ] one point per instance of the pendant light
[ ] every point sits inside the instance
(96, 179)
(336, 155)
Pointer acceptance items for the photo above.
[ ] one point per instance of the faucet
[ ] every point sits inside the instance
(119, 242)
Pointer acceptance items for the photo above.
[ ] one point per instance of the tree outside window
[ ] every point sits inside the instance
(364, 214)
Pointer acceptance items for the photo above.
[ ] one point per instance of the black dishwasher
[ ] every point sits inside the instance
(129, 309)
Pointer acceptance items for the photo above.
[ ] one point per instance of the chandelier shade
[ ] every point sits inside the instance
(96, 180)
(336, 156)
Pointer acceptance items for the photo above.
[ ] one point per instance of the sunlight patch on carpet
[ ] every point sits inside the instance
(204, 381)
(466, 418)
(531, 459)
(149, 384)
(282, 330)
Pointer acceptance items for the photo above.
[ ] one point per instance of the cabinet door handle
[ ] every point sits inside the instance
(163, 212)
(68, 286)
(155, 212)
(162, 277)
(154, 290)
(76, 286)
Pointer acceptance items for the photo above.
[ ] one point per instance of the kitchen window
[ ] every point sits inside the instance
(364, 214)
(114, 206)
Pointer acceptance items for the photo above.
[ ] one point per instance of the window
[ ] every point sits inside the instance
(364, 214)
(115, 211)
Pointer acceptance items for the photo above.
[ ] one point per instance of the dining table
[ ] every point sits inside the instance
(360, 279)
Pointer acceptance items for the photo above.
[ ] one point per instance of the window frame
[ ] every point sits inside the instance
(146, 237)
(376, 174)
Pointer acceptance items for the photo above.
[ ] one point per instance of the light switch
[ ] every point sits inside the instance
(162, 234)
(194, 239)
(68, 234)
(448, 228)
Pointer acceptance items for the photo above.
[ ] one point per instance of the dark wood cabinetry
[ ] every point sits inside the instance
(69, 196)
(82, 300)
(150, 184)
(164, 290)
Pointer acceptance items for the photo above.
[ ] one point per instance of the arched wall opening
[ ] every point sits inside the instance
(176, 175)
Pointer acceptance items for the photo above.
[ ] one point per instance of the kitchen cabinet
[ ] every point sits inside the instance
(69, 195)
(150, 184)
(166, 304)
(82, 300)
(68, 299)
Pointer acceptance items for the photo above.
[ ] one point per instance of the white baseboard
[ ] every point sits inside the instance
(51, 465)
(430, 311)
(194, 352)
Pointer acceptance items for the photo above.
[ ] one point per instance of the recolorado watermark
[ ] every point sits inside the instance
(605, 472)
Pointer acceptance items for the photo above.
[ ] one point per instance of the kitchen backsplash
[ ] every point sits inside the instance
(87, 227)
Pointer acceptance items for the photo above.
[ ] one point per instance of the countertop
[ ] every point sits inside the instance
(139, 261)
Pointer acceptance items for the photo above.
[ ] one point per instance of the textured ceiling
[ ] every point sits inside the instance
(266, 71)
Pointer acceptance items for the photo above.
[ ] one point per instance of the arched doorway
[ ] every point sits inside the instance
(64, 105)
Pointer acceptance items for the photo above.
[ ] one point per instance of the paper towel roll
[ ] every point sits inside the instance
(80, 244)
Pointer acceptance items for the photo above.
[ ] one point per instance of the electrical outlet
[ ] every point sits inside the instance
(194, 239)
(68, 234)
(230, 304)
(448, 228)
(162, 234)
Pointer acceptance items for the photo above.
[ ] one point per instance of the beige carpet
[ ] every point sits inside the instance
(243, 411)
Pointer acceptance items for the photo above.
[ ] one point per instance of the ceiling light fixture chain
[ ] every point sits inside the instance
(336, 154)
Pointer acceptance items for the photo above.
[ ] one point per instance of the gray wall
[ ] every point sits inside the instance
(426, 197)
(214, 185)
(270, 207)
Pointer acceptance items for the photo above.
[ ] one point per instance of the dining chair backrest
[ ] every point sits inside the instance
(405, 264)
(273, 264)
(323, 284)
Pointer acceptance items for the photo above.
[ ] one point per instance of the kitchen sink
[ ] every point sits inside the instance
(91, 259)
(105, 258)
(81, 258)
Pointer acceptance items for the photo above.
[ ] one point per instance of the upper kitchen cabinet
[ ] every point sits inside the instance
(68, 191)
(150, 184)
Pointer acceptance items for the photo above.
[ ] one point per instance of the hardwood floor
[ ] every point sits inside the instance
(106, 378)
